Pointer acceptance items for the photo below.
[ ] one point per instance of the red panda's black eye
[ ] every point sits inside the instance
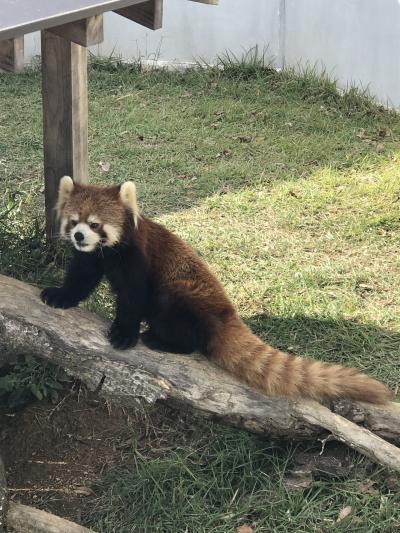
(94, 225)
(73, 223)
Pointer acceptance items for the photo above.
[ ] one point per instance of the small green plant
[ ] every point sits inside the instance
(12, 202)
(113, 63)
(252, 63)
(28, 379)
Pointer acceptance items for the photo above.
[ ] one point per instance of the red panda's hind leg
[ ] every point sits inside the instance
(169, 334)
(158, 343)
(175, 325)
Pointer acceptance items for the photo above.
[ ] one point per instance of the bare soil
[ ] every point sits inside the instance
(53, 453)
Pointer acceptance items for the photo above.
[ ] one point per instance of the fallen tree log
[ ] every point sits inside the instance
(25, 519)
(75, 340)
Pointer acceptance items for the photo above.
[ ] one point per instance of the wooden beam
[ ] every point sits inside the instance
(86, 32)
(209, 2)
(65, 117)
(12, 54)
(147, 13)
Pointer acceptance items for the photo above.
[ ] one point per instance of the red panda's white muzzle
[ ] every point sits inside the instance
(83, 238)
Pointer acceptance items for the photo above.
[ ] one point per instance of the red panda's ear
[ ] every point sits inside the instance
(127, 194)
(64, 193)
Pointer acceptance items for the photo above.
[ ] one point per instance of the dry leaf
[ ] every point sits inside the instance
(83, 491)
(361, 133)
(300, 479)
(123, 96)
(366, 287)
(344, 513)
(384, 132)
(380, 147)
(367, 487)
(244, 529)
(104, 165)
(393, 483)
(226, 153)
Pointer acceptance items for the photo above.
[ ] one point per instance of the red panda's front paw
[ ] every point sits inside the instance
(122, 336)
(57, 297)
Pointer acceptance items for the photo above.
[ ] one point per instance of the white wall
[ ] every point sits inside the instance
(190, 31)
(357, 41)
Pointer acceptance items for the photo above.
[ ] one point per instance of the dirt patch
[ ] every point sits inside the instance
(53, 453)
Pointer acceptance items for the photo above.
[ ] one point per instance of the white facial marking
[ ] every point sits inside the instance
(74, 218)
(90, 238)
(92, 219)
(113, 234)
(63, 228)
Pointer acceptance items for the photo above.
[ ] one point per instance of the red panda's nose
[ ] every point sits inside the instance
(79, 236)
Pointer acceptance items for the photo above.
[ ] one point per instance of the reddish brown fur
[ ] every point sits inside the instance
(233, 345)
(86, 201)
(179, 271)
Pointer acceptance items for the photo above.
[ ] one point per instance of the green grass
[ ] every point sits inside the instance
(223, 479)
(291, 192)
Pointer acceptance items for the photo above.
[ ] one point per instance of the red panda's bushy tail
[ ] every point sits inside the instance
(276, 373)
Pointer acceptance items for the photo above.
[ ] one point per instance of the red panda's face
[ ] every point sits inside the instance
(94, 216)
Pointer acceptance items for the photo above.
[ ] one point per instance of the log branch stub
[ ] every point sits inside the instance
(25, 519)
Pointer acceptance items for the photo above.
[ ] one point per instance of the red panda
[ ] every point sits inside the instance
(158, 278)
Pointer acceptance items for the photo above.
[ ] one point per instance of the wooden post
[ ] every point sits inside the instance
(12, 54)
(65, 117)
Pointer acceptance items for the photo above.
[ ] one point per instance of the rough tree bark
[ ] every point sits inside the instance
(75, 340)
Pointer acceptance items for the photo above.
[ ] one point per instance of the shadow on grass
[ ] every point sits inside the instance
(30, 258)
(368, 347)
(186, 136)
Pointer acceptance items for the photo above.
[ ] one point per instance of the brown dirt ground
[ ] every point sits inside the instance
(53, 453)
